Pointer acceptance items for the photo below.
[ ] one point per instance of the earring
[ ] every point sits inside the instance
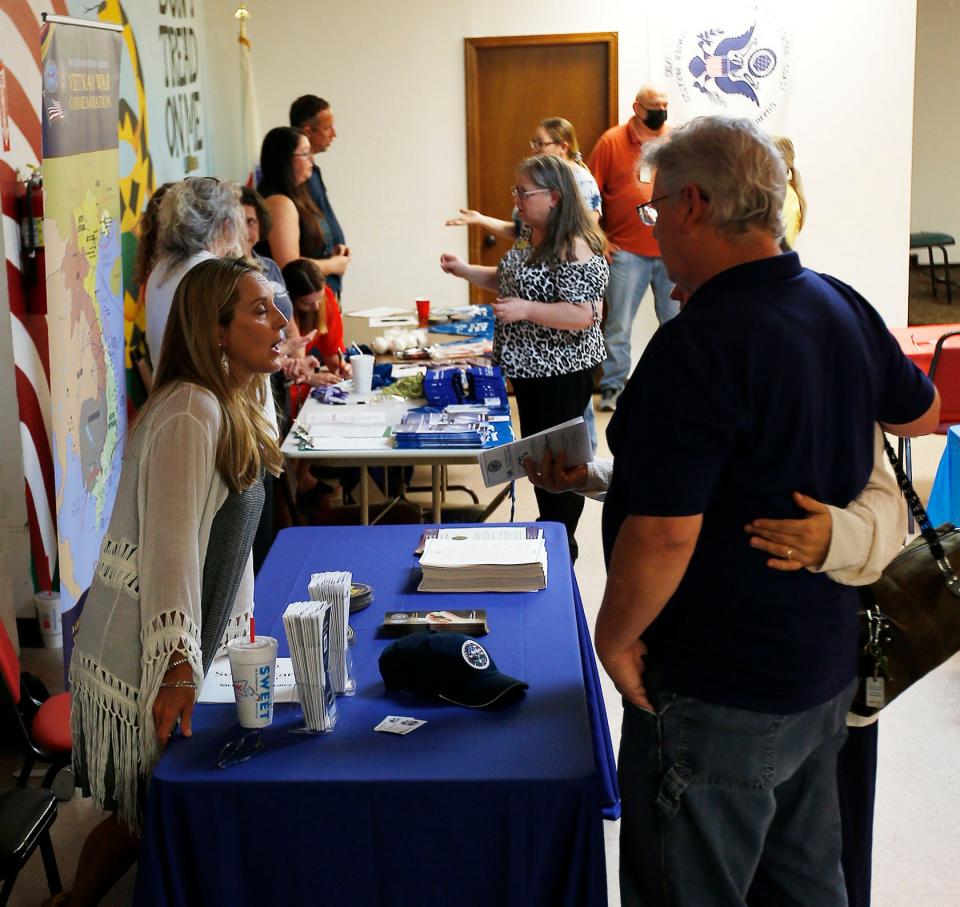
(224, 361)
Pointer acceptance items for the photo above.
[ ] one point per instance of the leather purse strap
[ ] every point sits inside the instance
(923, 521)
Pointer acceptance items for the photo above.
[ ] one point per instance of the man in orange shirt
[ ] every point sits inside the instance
(634, 254)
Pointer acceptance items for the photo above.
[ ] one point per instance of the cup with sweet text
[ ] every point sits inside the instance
(253, 666)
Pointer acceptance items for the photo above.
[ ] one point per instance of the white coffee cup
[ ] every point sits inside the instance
(254, 667)
(48, 614)
(362, 367)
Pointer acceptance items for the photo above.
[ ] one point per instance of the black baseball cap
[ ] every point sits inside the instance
(451, 666)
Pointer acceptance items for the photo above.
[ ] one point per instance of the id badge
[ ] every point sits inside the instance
(874, 693)
(646, 174)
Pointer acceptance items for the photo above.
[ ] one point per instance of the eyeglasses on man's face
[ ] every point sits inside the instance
(538, 144)
(519, 193)
(647, 212)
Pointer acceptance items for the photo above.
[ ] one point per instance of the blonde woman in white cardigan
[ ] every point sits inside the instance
(174, 581)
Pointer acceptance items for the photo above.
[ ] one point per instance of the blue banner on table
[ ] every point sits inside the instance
(79, 110)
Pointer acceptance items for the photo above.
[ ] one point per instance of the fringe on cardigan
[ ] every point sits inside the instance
(110, 716)
(238, 626)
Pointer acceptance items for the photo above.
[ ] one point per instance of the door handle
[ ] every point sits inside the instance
(489, 241)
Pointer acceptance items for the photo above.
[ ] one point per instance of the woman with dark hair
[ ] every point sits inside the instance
(547, 336)
(299, 229)
(174, 581)
(315, 312)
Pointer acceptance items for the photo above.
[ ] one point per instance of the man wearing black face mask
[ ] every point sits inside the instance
(633, 253)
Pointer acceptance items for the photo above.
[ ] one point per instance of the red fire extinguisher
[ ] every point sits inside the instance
(33, 264)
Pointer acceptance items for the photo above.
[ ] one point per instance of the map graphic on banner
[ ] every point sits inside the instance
(84, 289)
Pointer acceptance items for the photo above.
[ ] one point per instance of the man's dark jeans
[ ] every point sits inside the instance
(724, 806)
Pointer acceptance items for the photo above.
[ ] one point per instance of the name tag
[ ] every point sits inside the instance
(874, 694)
(646, 173)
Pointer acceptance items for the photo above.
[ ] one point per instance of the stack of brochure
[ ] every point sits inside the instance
(451, 430)
(334, 588)
(307, 625)
(465, 561)
(345, 428)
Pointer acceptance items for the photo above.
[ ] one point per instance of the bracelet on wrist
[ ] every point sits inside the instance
(177, 662)
(178, 685)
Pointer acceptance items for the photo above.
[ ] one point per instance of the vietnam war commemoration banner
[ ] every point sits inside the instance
(81, 224)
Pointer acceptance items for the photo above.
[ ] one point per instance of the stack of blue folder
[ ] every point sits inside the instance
(443, 386)
(486, 384)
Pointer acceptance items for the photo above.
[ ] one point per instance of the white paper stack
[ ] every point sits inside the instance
(334, 587)
(483, 565)
(307, 625)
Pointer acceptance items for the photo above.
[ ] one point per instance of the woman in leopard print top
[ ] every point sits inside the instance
(550, 289)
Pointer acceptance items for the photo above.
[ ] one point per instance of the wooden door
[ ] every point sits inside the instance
(512, 84)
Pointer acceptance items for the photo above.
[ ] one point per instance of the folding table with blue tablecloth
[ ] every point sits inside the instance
(500, 806)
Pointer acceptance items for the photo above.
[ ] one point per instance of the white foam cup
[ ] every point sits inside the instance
(362, 367)
(254, 667)
(48, 615)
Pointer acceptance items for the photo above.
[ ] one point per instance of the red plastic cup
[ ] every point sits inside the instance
(423, 312)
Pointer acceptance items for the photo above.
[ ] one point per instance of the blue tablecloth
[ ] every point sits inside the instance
(498, 807)
(944, 504)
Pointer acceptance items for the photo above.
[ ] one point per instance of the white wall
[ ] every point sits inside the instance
(936, 127)
(394, 75)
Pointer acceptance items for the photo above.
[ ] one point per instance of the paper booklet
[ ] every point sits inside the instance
(402, 623)
(481, 533)
(218, 685)
(505, 463)
(483, 565)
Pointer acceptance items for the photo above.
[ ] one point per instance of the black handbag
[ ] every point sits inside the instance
(910, 617)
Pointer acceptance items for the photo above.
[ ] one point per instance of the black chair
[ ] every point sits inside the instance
(26, 815)
(931, 241)
(42, 725)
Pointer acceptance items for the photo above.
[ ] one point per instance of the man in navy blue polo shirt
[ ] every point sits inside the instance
(736, 678)
(314, 116)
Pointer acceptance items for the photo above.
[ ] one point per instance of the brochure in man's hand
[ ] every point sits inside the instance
(505, 463)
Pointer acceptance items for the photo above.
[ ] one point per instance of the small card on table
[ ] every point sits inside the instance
(398, 724)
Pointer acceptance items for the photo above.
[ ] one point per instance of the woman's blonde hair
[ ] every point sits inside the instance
(206, 300)
(568, 219)
(561, 130)
(785, 146)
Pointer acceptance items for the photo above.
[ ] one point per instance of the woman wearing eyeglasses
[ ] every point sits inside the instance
(556, 136)
(298, 229)
(174, 581)
(550, 289)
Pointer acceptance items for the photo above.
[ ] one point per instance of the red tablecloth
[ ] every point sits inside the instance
(918, 341)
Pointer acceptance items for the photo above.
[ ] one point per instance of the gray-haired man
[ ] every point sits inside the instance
(736, 678)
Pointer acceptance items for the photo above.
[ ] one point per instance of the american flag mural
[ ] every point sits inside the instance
(20, 58)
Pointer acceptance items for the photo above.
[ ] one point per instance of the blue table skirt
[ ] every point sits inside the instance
(501, 807)
(944, 504)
